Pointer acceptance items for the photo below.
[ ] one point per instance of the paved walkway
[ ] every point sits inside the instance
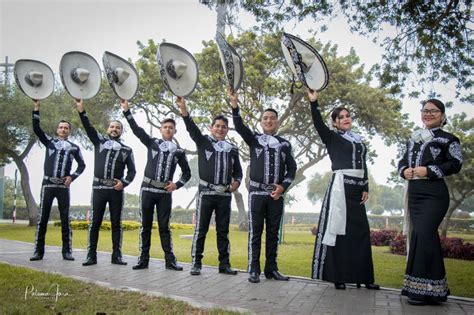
(211, 289)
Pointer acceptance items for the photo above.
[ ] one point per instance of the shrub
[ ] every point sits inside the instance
(126, 225)
(451, 247)
(382, 237)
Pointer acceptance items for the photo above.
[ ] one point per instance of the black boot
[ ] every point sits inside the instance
(254, 277)
(118, 261)
(174, 266)
(142, 264)
(340, 286)
(276, 275)
(36, 256)
(68, 256)
(195, 271)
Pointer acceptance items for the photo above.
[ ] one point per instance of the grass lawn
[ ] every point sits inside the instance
(55, 294)
(294, 256)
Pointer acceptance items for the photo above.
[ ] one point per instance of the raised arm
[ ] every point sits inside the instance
(191, 126)
(90, 130)
(239, 125)
(43, 137)
(137, 131)
(323, 130)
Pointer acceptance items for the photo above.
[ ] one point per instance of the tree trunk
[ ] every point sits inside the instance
(221, 9)
(192, 200)
(243, 218)
(444, 225)
(25, 182)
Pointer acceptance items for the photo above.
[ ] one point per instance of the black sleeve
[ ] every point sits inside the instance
(44, 138)
(452, 162)
(193, 130)
(185, 171)
(323, 130)
(290, 169)
(241, 128)
(90, 130)
(137, 131)
(237, 173)
(80, 164)
(403, 163)
(131, 172)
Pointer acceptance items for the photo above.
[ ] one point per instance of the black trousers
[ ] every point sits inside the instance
(161, 199)
(48, 193)
(264, 210)
(100, 198)
(425, 277)
(209, 201)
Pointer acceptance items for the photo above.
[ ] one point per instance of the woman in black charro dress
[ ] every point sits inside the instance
(431, 154)
(342, 252)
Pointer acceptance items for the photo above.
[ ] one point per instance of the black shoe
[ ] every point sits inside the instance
(340, 286)
(195, 271)
(372, 286)
(68, 256)
(140, 265)
(228, 271)
(36, 256)
(90, 262)
(254, 277)
(276, 275)
(416, 302)
(174, 266)
(118, 261)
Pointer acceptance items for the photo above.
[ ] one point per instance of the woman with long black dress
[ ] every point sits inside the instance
(342, 252)
(431, 154)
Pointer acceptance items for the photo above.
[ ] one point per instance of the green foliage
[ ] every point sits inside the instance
(126, 225)
(426, 41)
(9, 192)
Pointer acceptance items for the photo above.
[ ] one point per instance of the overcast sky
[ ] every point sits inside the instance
(45, 30)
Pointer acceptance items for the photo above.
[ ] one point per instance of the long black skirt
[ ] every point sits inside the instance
(350, 260)
(425, 278)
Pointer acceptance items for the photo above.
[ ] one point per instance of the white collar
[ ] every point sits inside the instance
(167, 145)
(222, 145)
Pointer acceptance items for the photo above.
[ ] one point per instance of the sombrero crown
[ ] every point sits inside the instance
(121, 74)
(80, 74)
(305, 62)
(231, 62)
(34, 78)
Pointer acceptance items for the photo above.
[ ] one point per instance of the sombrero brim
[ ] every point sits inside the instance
(77, 59)
(23, 67)
(231, 62)
(317, 76)
(129, 87)
(186, 84)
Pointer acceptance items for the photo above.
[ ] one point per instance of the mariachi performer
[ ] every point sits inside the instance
(81, 77)
(272, 170)
(163, 156)
(220, 172)
(36, 80)
(431, 155)
(342, 252)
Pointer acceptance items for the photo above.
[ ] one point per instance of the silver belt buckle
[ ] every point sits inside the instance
(220, 188)
(159, 184)
(269, 188)
(109, 182)
(56, 180)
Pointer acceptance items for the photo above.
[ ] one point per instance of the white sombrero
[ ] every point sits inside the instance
(121, 74)
(231, 62)
(305, 62)
(80, 74)
(34, 78)
(178, 69)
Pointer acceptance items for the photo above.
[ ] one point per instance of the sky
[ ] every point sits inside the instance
(45, 30)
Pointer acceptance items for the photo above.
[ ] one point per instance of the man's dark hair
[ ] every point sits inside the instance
(168, 120)
(271, 110)
(117, 121)
(67, 122)
(220, 117)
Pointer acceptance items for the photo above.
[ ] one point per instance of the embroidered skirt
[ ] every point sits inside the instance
(425, 278)
(350, 260)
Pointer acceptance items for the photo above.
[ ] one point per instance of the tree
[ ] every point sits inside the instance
(461, 185)
(267, 84)
(428, 41)
(18, 138)
(132, 200)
